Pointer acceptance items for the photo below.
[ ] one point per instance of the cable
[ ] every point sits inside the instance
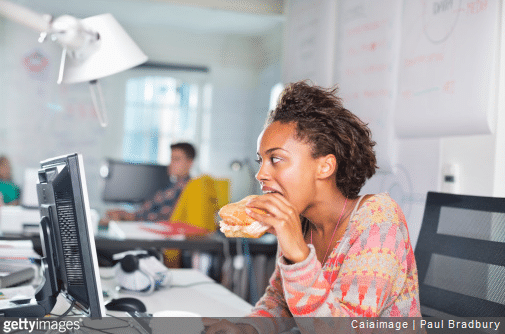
(192, 284)
(59, 316)
(116, 317)
(68, 311)
(104, 330)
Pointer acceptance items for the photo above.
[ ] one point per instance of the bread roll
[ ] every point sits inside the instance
(238, 224)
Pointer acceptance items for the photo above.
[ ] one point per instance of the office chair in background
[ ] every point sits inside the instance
(460, 256)
(197, 206)
(199, 202)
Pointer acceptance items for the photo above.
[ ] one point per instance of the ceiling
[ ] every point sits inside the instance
(217, 17)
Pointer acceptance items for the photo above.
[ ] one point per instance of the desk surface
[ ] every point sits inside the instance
(214, 242)
(133, 234)
(191, 291)
(209, 243)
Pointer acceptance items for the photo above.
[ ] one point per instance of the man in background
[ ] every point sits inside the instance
(161, 206)
(9, 192)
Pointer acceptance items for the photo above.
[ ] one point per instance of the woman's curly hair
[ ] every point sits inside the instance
(322, 121)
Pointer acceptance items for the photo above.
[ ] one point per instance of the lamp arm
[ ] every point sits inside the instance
(66, 29)
(25, 16)
(98, 102)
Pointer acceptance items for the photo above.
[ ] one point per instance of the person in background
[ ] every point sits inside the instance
(162, 204)
(10, 191)
(339, 254)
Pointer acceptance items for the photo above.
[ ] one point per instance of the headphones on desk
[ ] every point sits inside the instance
(141, 271)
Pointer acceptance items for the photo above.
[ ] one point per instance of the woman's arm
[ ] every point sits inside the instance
(273, 305)
(269, 315)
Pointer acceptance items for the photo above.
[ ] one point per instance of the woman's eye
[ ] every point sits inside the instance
(258, 161)
(275, 160)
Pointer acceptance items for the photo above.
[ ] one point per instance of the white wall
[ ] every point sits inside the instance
(42, 119)
(475, 158)
(499, 153)
(242, 71)
(248, 6)
(3, 79)
(417, 163)
(481, 159)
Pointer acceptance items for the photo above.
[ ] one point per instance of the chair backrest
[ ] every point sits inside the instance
(198, 203)
(223, 191)
(460, 256)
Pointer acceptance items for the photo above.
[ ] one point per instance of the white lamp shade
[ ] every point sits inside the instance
(115, 52)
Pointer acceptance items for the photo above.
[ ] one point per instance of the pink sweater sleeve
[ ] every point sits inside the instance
(273, 306)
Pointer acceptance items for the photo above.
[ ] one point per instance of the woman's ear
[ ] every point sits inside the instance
(327, 166)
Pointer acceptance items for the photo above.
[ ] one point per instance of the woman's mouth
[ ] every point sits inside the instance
(268, 190)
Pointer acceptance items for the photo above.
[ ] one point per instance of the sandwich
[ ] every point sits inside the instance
(237, 223)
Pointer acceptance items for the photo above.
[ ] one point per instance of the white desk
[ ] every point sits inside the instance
(209, 299)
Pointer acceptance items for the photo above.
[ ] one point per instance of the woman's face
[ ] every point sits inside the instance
(286, 165)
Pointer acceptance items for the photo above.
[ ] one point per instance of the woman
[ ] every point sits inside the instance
(340, 254)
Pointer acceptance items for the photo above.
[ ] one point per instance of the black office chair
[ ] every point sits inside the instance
(460, 256)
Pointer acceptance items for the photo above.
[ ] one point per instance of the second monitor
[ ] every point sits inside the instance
(128, 182)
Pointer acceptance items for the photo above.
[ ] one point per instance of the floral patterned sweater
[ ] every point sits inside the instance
(371, 272)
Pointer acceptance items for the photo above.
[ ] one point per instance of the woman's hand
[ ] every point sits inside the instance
(214, 326)
(285, 224)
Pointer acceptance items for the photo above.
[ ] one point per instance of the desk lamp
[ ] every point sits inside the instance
(93, 48)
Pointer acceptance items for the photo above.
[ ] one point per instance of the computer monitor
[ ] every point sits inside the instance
(128, 182)
(70, 262)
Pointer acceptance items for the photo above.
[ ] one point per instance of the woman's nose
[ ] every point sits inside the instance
(262, 173)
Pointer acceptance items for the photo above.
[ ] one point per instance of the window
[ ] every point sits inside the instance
(159, 111)
(275, 92)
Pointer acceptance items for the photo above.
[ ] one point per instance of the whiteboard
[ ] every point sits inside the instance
(366, 70)
(447, 73)
(309, 42)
